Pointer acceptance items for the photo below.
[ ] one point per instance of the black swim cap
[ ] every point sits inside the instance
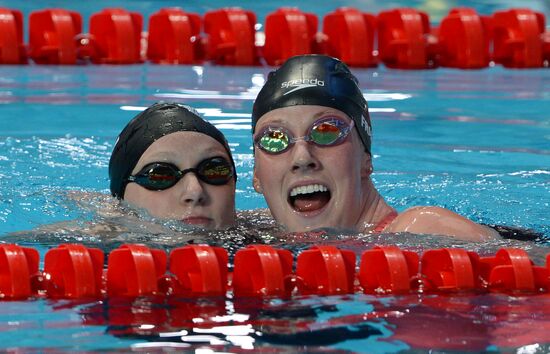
(315, 80)
(150, 125)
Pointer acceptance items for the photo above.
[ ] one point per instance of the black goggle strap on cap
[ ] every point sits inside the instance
(162, 175)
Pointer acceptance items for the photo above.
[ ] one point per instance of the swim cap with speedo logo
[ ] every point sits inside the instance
(158, 120)
(315, 80)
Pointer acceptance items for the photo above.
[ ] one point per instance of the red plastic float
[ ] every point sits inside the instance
(52, 36)
(464, 40)
(174, 37)
(511, 270)
(115, 36)
(400, 38)
(518, 40)
(17, 266)
(325, 270)
(74, 271)
(450, 270)
(546, 48)
(350, 36)
(403, 39)
(261, 270)
(387, 270)
(135, 270)
(200, 270)
(231, 36)
(12, 49)
(289, 32)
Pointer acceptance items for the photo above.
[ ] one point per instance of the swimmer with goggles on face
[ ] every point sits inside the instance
(313, 164)
(174, 164)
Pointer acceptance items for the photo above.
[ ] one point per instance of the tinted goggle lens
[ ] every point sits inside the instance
(157, 176)
(216, 171)
(274, 141)
(326, 132)
(160, 175)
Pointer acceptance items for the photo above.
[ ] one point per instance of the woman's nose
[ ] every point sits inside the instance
(303, 158)
(191, 190)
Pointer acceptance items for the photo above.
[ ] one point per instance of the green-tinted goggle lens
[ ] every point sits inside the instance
(324, 132)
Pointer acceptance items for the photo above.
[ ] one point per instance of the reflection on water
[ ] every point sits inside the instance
(460, 323)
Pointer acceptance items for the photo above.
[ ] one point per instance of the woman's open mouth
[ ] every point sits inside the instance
(309, 198)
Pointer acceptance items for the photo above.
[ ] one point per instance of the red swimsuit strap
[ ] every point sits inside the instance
(385, 222)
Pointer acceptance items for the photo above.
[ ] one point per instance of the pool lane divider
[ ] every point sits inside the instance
(73, 271)
(400, 38)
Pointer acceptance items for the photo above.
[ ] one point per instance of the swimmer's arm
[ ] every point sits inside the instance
(102, 204)
(440, 221)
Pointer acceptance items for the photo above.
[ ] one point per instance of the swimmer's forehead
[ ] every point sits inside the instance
(200, 152)
(181, 156)
(280, 115)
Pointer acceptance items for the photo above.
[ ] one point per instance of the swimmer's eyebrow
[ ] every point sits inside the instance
(215, 149)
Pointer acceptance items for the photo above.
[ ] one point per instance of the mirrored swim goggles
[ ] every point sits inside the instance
(159, 176)
(327, 131)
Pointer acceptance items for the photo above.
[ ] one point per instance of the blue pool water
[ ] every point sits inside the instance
(476, 142)
(473, 141)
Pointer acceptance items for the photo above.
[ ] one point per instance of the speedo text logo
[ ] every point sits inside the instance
(301, 84)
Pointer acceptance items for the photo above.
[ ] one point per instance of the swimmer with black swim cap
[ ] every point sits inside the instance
(171, 162)
(315, 80)
(312, 142)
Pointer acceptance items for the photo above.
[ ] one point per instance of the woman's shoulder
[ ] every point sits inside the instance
(439, 221)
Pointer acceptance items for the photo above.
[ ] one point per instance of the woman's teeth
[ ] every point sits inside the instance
(312, 188)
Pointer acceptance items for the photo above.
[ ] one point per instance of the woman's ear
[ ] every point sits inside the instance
(256, 182)
(366, 166)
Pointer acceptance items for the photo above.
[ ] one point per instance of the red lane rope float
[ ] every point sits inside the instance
(350, 36)
(402, 38)
(52, 36)
(231, 36)
(289, 32)
(12, 49)
(387, 270)
(74, 271)
(517, 38)
(464, 39)
(325, 270)
(17, 266)
(174, 37)
(261, 270)
(405, 39)
(199, 270)
(134, 270)
(115, 36)
(512, 269)
(450, 270)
